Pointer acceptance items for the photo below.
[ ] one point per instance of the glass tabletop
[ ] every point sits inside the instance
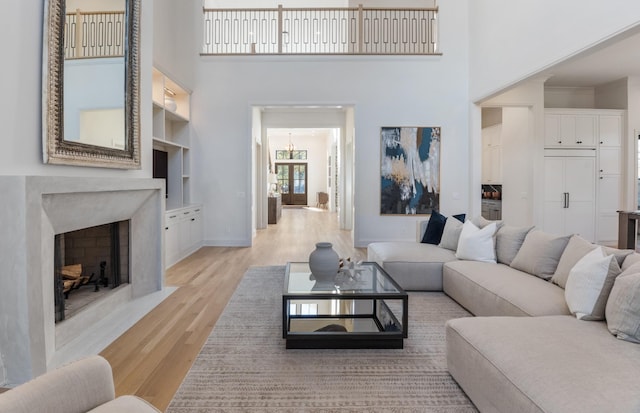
(364, 278)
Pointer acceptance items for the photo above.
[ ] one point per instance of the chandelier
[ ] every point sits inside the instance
(290, 147)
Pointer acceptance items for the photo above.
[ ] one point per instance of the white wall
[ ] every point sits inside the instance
(517, 166)
(522, 146)
(385, 91)
(569, 97)
(21, 83)
(176, 38)
(612, 95)
(633, 131)
(512, 40)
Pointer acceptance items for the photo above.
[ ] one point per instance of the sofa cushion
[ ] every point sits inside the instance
(630, 260)
(487, 289)
(542, 364)
(413, 265)
(73, 388)
(477, 244)
(126, 404)
(623, 307)
(509, 239)
(577, 248)
(540, 253)
(435, 227)
(589, 284)
(451, 234)
(482, 222)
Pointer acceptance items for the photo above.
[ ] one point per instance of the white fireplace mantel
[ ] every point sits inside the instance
(34, 209)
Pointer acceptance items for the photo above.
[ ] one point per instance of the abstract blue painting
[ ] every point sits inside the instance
(409, 170)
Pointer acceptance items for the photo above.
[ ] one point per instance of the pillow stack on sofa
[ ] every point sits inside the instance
(548, 307)
(548, 362)
(602, 283)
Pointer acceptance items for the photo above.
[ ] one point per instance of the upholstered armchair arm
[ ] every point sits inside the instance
(75, 388)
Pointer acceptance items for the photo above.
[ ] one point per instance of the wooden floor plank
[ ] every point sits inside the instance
(152, 358)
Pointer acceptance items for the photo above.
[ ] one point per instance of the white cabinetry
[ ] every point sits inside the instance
(570, 193)
(492, 154)
(598, 136)
(172, 134)
(183, 233)
(569, 129)
(609, 177)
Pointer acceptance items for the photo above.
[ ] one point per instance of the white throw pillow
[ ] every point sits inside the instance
(589, 284)
(451, 234)
(476, 244)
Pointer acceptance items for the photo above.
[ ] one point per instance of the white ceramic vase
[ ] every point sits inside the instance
(324, 262)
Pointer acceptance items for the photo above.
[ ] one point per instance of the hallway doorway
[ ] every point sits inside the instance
(320, 137)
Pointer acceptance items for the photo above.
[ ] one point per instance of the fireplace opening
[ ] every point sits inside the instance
(88, 264)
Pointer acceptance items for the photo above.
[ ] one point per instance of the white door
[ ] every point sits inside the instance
(610, 160)
(554, 195)
(585, 130)
(610, 130)
(552, 135)
(172, 247)
(580, 185)
(570, 196)
(608, 206)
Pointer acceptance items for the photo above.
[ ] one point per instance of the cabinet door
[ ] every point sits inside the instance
(609, 161)
(552, 136)
(609, 190)
(580, 178)
(608, 228)
(171, 248)
(183, 234)
(553, 214)
(610, 130)
(554, 180)
(580, 184)
(569, 196)
(585, 130)
(609, 194)
(196, 229)
(579, 219)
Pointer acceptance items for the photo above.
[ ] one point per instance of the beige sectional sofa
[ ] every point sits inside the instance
(524, 351)
(83, 386)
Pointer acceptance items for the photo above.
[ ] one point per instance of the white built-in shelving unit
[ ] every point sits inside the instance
(172, 134)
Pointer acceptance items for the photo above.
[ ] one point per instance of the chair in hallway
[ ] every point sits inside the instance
(323, 200)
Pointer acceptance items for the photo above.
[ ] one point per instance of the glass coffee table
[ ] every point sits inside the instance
(363, 307)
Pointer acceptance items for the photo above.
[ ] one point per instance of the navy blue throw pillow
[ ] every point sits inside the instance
(460, 217)
(435, 227)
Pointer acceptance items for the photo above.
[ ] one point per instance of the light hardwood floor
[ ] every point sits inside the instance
(152, 358)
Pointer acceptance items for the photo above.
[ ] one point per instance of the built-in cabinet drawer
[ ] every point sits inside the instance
(184, 233)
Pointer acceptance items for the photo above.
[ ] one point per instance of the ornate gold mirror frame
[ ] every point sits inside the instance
(57, 150)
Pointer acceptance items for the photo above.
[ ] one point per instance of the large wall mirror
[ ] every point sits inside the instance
(91, 93)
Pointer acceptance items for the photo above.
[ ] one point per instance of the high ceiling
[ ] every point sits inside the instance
(612, 60)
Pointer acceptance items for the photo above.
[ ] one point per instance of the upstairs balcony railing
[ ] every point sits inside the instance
(322, 31)
(94, 34)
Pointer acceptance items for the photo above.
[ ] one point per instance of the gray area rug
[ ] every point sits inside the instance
(244, 366)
